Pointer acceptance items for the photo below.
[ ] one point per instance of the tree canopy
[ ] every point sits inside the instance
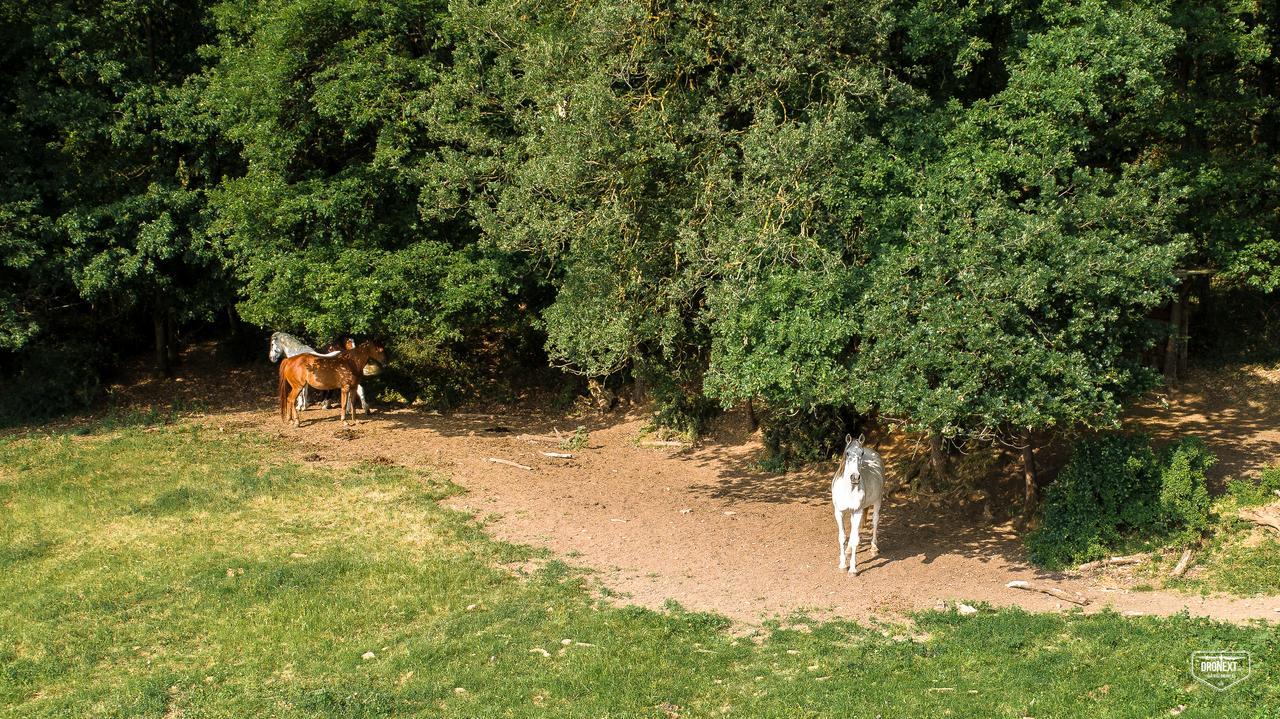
(959, 216)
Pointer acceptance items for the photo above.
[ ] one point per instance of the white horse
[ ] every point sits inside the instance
(858, 484)
(286, 345)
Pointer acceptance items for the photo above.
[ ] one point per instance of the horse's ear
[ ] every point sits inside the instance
(848, 439)
(350, 344)
(862, 438)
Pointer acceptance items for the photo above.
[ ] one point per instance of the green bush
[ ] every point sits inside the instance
(678, 402)
(796, 439)
(1263, 491)
(1184, 497)
(1114, 489)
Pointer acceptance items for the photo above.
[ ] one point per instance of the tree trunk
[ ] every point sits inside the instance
(751, 415)
(160, 319)
(1171, 349)
(1175, 353)
(1029, 478)
(233, 325)
(171, 338)
(1184, 330)
(938, 458)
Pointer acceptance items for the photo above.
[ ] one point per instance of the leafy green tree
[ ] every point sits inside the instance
(104, 201)
(341, 219)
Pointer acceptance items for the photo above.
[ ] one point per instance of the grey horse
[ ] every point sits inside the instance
(284, 345)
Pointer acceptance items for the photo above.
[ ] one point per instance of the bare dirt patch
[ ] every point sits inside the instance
(704, 527)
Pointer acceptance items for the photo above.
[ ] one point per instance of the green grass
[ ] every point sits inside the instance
(177, 571)
(1238, 558)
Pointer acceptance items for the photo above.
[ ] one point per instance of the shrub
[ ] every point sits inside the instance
(678, 402)
(1115, 488)
(1184, 497)
(793, 440)
(1263, 491)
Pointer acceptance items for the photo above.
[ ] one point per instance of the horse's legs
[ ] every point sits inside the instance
(346, 397)
(294, 394)
(840, 537)
(875, 527)
(855, 524)
(364, 405)
(304, 398)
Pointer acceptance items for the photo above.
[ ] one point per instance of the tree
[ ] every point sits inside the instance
(104, 200)
(346, 216)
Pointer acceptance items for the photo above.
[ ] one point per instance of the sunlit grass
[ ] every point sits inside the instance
(178, 571)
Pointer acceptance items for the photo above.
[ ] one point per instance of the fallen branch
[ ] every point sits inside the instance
(539, 438)
(508, 462)
(1260, 518)
(660, 443)
(557, 455)
(1113, 561)
(1065, 596)
(1183, 563)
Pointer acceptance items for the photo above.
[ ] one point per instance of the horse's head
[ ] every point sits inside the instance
(277, 350)
(854, 451)
(375, 354)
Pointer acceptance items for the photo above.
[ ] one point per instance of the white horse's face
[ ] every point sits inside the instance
(854, 451)
(277, 352)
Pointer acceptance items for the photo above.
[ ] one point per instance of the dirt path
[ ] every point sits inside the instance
(703, 527)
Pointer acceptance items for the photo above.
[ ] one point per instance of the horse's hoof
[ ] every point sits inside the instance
(875, 549)
(853, 572)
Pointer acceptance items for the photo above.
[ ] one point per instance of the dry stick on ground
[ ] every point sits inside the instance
(508, 463)
(539, 438)
(1183, 563)
(660, 443)
(1261, 517)
(557, 455)
(1065, 596)
(1113, 561)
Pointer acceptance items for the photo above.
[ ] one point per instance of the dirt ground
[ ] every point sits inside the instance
(704, 527)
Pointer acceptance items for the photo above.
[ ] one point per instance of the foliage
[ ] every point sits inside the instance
(107, 164)
(1264, 490)
(961, 217)
(222, 580)
(1184, 497)
(336, 224)
(678, 401)
(1235, 325)
(798, 438)
(1116, 489)
(577, 440)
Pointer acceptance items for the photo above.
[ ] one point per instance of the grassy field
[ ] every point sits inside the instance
(178, 571)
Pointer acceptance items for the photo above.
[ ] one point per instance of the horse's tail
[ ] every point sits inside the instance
(284, 394)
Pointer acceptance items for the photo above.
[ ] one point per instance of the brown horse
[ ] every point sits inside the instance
(342, 372)
(327, 396)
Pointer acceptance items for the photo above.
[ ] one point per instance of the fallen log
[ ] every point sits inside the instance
(1064, 595)
(508, 462)
(1113, 561)
(1261, 518)
(557, 455)
(1183, 563)
(660, 443)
